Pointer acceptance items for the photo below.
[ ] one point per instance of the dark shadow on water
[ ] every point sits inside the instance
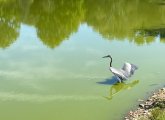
(153, 84)
(109, 81)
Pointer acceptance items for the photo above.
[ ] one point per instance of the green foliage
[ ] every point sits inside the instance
(9, 22)
(158, 114)
(120, 19)
(56, 20)
(139, 21)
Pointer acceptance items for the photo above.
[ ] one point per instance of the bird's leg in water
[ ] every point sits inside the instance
(119, 80)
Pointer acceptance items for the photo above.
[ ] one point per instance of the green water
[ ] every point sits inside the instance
(51, 65)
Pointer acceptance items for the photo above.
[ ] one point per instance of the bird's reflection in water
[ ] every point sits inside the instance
(119, 87)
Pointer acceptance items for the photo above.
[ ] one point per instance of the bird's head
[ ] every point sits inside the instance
(107, 56)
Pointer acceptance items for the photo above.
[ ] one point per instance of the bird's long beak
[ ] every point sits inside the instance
(105, 56)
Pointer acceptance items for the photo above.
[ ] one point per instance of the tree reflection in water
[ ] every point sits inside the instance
(57, 20)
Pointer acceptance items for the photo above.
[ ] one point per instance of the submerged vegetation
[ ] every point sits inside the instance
(55, 20)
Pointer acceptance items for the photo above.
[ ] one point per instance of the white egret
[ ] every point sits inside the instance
(125, 72)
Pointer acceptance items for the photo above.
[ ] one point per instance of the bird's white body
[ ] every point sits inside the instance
(125, 72)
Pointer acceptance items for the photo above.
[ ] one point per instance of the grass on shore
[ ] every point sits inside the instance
(156, 114)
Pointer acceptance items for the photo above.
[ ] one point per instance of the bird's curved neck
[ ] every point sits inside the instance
(110, 64)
